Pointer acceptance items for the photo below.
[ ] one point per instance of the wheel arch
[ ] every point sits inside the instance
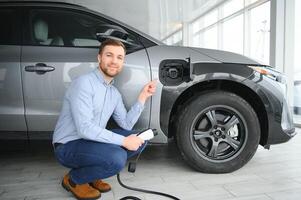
(225, 85)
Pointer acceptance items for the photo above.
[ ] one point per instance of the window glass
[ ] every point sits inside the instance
(70, 29)
(260, 32)
(210, 38)
(210, 18)
(248, 2)
(196, 26)
(247, 32)
(232, 6)
(8, 23)
(233, 35)
(196, 41)
(174, 39)
(297, 65)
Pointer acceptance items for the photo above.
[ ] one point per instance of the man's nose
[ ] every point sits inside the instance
(114, 60)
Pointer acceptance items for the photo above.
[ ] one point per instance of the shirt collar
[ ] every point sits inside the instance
(101, 77)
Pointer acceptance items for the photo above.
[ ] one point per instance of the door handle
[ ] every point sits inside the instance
(39, 68)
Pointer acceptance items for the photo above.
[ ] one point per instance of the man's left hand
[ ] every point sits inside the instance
(148, 90)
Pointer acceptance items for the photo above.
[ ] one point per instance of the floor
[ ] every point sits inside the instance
(33, 173)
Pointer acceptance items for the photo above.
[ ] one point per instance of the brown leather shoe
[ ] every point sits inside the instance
(101, 186)
(81, 192)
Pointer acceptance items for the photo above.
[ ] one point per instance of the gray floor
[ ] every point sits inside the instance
(274, 174)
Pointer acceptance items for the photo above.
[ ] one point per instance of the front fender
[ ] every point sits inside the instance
(201, 78)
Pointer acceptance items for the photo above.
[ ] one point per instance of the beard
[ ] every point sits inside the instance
(109, 71)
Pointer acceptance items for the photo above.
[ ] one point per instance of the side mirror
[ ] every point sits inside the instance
(108, 31)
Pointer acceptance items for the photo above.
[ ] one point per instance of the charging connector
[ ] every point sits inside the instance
(132, 167)
(146, 135)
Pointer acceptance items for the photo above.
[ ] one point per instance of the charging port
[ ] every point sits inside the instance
(173, 72)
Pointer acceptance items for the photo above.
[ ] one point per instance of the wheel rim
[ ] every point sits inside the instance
(218, 133)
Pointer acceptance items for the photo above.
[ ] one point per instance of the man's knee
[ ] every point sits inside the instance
(118, 161)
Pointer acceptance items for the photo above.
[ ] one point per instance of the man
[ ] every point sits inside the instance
(80, 139)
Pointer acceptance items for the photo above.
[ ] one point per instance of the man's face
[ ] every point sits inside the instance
(111, 60)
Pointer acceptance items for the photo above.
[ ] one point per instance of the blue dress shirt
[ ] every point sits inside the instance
(88, 105)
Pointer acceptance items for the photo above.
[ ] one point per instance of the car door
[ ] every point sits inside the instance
(11, 99)
(61, 45)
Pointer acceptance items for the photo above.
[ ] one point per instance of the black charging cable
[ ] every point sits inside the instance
(132, 169)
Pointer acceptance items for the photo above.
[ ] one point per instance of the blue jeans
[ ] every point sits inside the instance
(91, 160)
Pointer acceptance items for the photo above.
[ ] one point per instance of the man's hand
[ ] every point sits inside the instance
(148, 90)
(132, 142)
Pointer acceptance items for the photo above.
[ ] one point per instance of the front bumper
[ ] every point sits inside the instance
(287, 129)
(280, 118)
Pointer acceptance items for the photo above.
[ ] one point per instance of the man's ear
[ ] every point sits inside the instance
(98, 58)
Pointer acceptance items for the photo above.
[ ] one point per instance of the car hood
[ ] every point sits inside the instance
(226, 57)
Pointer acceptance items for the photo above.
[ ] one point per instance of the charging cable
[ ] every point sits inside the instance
(146, 135)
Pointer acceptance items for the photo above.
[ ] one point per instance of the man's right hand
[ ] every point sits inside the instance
(132, 142)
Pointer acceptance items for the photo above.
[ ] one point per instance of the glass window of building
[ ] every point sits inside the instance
(232, 6)
(240, 26)
(209, 38)
(232, 39)
(210, 18)
(259, 31)
(297, 65)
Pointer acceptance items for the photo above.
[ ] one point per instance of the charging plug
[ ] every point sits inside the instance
(132, 167)
(147, 134)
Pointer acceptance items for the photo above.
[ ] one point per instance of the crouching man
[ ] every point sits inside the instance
(81, 141)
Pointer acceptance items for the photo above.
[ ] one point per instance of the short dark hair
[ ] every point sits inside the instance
(111, 42)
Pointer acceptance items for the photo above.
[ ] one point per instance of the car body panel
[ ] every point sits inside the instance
(43, 93)
(273, 100)
(226, 57)
(269, 92)
(11, 95)
(156, 55)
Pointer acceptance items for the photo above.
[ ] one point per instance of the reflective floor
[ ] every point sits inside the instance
(33, 173)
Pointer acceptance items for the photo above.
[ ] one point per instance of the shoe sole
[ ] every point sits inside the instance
(102, 191)
(68, 190)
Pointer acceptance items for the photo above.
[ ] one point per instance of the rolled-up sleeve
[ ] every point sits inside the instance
(80, 97)
(124, 119)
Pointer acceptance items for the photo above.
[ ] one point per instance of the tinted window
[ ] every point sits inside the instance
(8, 27)
(66, 28)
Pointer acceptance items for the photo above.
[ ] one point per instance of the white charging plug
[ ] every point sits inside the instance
(147, 134)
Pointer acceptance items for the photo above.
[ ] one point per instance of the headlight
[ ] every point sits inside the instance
(270, 73)
(280, 80)
(276, 76)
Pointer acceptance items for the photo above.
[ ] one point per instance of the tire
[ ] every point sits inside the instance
(217, 132)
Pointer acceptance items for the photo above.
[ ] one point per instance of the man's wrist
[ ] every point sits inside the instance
(118, 139)
(142, 99)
